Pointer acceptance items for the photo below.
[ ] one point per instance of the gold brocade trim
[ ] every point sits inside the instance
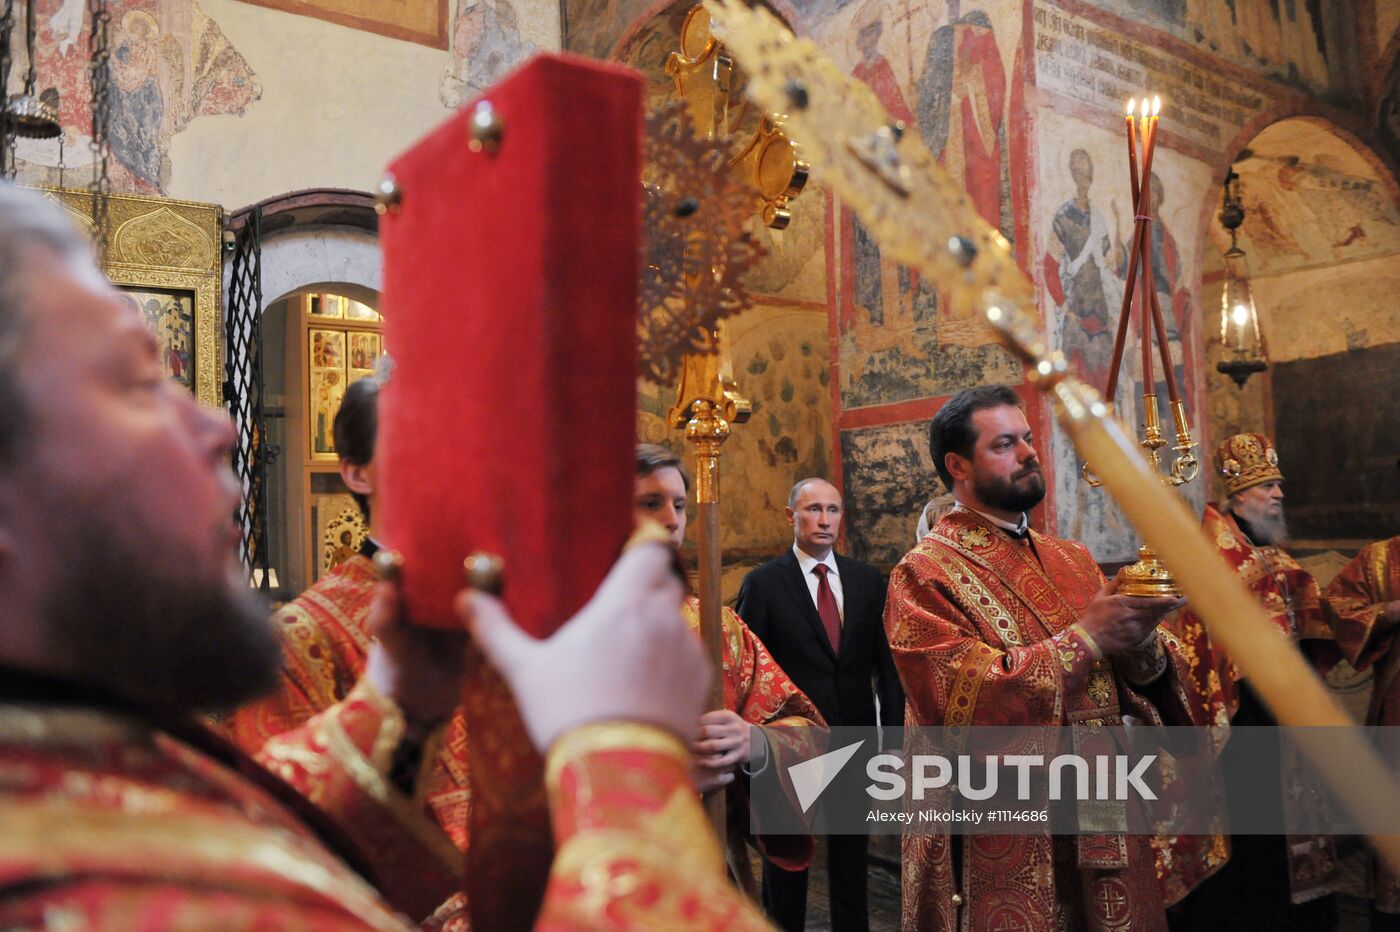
(375, 783)
(609, 866)
(392, 724)
(978, 597)
(578, 743)
(967, 683)
(1380, 570)
(1100, 689)
(303, 635)
(1021, 556)
(359, 570)
(1088, 640)
(53, 836)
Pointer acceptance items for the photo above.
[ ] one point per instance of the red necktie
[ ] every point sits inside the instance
(826, 607)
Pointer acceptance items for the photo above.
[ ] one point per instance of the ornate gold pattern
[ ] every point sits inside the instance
(211, 850)
(975, 537)
(698, 246)
(168, 244)
(976, 596)
(588, 739)
(1100, 688)
(762, 155)
(1246, 460)
(367, 768)
(1148, 577)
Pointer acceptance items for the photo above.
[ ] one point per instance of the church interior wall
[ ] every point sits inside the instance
(1015, 98)
(229, 102)
(1321, 227)
(844, 354)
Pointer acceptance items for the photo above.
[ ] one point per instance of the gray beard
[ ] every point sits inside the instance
(1269, 530)
(1266, 530)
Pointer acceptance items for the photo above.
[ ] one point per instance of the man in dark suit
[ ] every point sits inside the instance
(821, 616)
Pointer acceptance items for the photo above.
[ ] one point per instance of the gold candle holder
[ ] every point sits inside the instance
(1186, 467)
(1152, 439)
(1148, 577)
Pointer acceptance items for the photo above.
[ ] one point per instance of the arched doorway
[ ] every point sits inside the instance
(1322, 236)
(320, 277)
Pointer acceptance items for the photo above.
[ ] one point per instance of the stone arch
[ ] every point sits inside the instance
(1322, 237)
(315, 238)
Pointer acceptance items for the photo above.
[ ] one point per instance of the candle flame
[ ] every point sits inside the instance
(1156, 105)
(1132, 105)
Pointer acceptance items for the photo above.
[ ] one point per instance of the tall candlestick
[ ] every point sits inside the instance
(1153, 435)
(1132, 145)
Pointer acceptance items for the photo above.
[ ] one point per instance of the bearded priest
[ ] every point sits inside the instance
(993, 623)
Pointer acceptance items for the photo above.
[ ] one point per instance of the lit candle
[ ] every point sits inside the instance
(1144, 210)
(1132, 146)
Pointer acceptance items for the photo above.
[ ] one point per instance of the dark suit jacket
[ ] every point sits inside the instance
(776, 605)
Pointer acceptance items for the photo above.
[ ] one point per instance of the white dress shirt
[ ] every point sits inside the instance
(833, 577)
(1016, 529)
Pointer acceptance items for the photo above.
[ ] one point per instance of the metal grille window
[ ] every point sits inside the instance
(243, 389)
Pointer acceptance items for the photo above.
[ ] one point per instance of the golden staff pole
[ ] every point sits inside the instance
(707, 404)
(1234, 619)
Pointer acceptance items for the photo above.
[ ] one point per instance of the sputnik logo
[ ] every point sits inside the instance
(811, 777)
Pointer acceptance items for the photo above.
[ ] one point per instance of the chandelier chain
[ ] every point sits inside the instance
(7, 139)
(100, 80)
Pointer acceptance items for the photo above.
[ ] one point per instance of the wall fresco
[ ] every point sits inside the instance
(170, 65)
(889, 478)
(487, 43)
(1295, 42)
(1100, 66)
(1311, 200)
(423, 21)
(1322, 234)
(946, 73)
(780, 363)
(1085, 232)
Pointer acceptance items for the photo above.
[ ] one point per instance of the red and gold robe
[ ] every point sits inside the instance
(759, 692)
(1289, 596)
(113, 822)
(983, 630)
(324, 645)
(755, 687)
(1354, 603)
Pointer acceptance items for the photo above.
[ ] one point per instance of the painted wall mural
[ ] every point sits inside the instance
(780, 363)
(487, 43)
(889, 478)
(1095, 64)
(1086, 230)
(170, 64)
(1023, 102)
(1311, 200)
(1299, 43)
(946, 75)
